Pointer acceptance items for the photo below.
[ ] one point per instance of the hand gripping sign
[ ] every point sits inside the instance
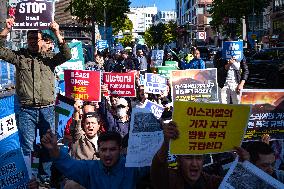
(33, 14)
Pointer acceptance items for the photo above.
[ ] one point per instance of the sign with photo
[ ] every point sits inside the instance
(75, 63)
(198, 85)
(247, 175)
(145, 136)
(267, 113)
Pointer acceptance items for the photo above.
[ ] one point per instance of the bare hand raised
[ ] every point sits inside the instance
(54, 27)
(49, 141)
(9, 23)
(170, 131)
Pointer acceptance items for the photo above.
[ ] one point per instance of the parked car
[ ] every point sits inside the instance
(267, 68)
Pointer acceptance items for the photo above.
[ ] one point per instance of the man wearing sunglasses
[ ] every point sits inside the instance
(34, 82)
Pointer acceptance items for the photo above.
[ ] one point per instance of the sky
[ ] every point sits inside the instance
(162, 5)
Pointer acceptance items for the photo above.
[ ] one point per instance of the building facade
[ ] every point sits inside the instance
(141, 18)
(165, 17)
(3, 13)
(277, 22)
(193, 18)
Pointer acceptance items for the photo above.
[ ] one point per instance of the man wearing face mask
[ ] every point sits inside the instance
(121, 122)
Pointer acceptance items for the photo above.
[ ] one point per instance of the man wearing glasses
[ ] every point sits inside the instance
(34, 82)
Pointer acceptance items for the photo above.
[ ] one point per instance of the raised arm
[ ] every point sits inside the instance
(6, 30)
(65, 53)
(5, 53)
(159, 167)
(76, 170)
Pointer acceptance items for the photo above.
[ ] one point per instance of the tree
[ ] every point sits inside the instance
(123, 26)
(234, 9)
(170, 33)
(102, 12)
(161, 34)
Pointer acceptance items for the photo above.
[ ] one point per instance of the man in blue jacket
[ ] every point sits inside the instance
(195, 63)
(107, 173)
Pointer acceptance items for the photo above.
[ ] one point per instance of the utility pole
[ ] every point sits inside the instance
(104, 19)
(253, 16)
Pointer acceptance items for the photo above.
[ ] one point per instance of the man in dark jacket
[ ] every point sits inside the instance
(231, 77)
(34, 82)
(189, 173)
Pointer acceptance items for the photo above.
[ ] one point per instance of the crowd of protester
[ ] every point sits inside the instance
(97, 135)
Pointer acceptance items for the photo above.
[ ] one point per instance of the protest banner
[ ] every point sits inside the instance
(155, 83)
(145, 136)
(9, 139)
(246, 175)
(267, 115)
(83, 84)
(120, 84)
(102, 45)
(165, 70)
(142, 80)
(13, 170)
(198, 85)
(156, 109)
(34, 14)
(171, 63)
(232, 49)
(75, 63)
(206, 128)
(157, 57)
(64, 108)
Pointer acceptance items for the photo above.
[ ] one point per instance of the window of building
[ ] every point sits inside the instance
(208, 8)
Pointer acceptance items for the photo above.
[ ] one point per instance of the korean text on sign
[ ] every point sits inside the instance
(155, 83)
(85, 85)
(233, 49)
(267, 115)
(120, 84)
(195, 85)
(208, 128)
(7, 126)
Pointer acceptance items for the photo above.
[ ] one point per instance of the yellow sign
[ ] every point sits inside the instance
(208, 128)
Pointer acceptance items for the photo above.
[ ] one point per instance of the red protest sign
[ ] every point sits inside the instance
(83, 84)
(120, 84)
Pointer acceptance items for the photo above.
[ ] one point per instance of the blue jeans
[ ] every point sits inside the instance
(31, 119)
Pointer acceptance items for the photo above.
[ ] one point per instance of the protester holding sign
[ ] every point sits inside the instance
(232, 74)
(107, 173)
(262, 156)
(35, 82)
(189, 173)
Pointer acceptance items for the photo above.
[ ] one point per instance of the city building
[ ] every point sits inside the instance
(194, 19)
(165, 17)
(69, 25)
(141, 18)
(3, 13)
(277, 22)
